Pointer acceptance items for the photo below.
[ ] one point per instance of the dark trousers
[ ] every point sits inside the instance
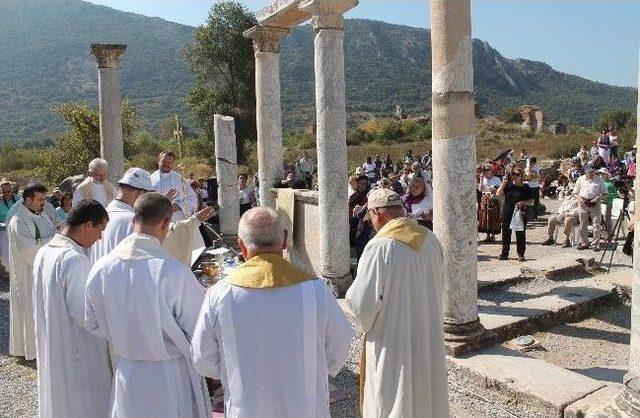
(521, 239)
(536, 203)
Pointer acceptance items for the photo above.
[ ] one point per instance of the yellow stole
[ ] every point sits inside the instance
(407, 231)
(267, 271)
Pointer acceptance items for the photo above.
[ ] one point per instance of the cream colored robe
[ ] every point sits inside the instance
(23, 247)
(397, 301)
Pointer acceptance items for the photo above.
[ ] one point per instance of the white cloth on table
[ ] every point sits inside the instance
(27, 233)
(396, 300)
(247, 337)
(74, 375)
(146, 303)
(186, 197)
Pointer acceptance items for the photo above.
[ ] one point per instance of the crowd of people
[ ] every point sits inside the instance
(103, 297)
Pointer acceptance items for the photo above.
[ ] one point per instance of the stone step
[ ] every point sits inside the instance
(522, 383)
(499, 276)
(562, 304)
(622, 279)
(556, 267)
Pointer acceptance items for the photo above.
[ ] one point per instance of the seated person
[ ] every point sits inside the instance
(567, 215)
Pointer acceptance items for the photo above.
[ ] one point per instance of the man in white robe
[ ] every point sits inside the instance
(270, 332)
(74, 375)
(28, 230)
(95, 186)
(165, 179)
(182, 238)
(146, 303)
(396, 301)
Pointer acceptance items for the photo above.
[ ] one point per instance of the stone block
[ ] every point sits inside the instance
(592, 402)
(510, 319)
(555, 267)
(622, 279)
(509, 377)
(499, 276)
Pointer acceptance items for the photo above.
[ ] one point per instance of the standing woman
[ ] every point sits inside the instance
(246, 196)
(418, 201)
(63, 210)
(516, 195)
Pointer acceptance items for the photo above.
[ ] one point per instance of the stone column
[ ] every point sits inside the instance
(266, 43)
(111, 146)
(454, 160)
(227, 173)
(331, 138)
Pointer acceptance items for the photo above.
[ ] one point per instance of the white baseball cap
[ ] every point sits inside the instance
(138, 178)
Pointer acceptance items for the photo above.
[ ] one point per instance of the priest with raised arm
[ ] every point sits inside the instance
(146, 303)
(28, 230)
(74, 375)
(271, 332)
(165, 179)
(134, 183)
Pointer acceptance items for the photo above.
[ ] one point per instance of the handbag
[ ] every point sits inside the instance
(517, 222)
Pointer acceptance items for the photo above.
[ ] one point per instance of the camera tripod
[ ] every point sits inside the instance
(614, 236)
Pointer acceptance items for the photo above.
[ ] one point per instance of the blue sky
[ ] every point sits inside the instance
(596, 39)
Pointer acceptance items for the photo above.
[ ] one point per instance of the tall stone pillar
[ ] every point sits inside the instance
(266, 43)
(224, 130)
(111, 145)
(454, 160)
(331, 137)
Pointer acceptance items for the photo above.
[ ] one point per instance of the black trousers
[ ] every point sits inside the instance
(521, 239)
(536, 203)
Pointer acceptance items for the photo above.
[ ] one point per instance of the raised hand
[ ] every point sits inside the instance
(205, 213)
(171, 194)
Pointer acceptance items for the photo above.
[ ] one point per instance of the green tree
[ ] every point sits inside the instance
(511, 115)
(618, 119)
(221, 61)
(73, 150)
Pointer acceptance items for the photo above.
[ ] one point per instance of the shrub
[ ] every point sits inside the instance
(298, 140)
(511, 115)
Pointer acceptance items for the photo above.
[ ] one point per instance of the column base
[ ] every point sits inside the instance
(462, 338)
(628, 400)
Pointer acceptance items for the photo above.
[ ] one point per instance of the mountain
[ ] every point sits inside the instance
(44, 59)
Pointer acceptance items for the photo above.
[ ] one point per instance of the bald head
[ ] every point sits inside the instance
(260, 230)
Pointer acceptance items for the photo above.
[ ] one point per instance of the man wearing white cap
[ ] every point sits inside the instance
(134, 183)
(396, 302)
(95, 186)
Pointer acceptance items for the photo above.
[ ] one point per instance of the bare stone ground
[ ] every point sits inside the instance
(596, 347)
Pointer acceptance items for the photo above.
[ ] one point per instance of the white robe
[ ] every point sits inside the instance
(273, 349)
(397, 301)
(186, 198)
(74, 375)
(23, 248)
(146, 303)
(182, 239)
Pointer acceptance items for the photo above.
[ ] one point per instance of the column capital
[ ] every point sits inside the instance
(108, 55)
(266, 38)
(327, 14)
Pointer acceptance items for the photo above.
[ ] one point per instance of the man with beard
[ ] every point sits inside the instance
(165, 179)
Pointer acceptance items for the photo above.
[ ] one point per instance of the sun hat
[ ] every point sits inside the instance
(138, 178)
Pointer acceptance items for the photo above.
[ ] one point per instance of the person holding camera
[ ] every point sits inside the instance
(589, 190)
(516, 195)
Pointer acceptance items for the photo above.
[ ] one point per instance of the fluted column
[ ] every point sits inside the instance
(266, 44)
(454, 160)
(331, 137)
(109, 57)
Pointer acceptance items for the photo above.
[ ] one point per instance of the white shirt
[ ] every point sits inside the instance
(24, 228)
(533, 176)
(589, 189)
(98, 192)
(486, 185)
(119, 227)
(369, 170)
(186, 197)
(74, 374)
(248, 337)
(396, 299)
(145, 303)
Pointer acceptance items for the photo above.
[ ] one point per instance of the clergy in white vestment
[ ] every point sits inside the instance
(396, 301)
(95, 186)
(8, 200)
(270, 332)
(74, 374)
(146, 303)
(165, 179)
(182, 236)
(28, 230)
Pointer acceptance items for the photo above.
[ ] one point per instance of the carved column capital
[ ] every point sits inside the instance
(108, 55)
(327, 14)
(266, 38)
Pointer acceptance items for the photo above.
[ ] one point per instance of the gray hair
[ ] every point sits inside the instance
(260, 228)
(96, 163)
